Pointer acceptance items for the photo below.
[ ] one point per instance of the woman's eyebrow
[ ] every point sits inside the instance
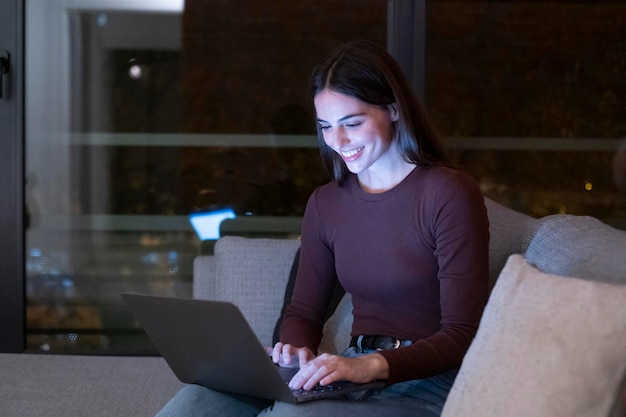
(342, 119)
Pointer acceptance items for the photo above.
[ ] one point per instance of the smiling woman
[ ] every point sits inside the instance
(402, 232)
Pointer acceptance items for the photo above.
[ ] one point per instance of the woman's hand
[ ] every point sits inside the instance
(290, 356)
(326, 369)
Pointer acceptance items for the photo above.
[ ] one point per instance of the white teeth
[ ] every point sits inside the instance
(352, 152)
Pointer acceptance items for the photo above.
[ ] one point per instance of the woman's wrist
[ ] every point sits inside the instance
(377, 366)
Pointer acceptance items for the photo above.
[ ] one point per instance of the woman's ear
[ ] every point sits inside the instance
(393, 111)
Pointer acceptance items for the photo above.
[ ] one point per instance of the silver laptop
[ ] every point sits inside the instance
(210, 343)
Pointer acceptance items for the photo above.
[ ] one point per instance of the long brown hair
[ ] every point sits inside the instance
(367, 72)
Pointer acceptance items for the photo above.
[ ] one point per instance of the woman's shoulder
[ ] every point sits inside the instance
(438, 176)
(445, 181)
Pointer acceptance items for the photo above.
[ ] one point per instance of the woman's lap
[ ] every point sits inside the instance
(419, 398)
(373, 407)
(198, 401)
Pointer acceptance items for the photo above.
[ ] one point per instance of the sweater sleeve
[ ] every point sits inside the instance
(303, 321)
(459, 231)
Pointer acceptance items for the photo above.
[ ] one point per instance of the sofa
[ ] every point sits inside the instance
(552, 340)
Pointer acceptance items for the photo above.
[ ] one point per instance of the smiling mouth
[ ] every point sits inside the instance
(352, 153)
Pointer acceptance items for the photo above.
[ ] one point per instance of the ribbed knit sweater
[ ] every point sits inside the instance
(414, 259)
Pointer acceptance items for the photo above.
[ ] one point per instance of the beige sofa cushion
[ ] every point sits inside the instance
(546, 346)
(336, 336)
(253, 274)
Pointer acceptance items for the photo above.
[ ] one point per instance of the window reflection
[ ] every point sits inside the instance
(528, 93)
(158, 114)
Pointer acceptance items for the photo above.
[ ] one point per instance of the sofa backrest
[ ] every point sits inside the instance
(250, 273)
(253, 273)
(510, 232)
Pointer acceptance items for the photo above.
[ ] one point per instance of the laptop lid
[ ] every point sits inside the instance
(210, 343)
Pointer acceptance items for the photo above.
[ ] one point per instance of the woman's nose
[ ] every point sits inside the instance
(336, 139)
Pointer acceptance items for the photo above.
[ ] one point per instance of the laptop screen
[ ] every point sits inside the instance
(206, 224)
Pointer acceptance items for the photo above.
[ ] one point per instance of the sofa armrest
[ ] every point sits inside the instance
(579, 246)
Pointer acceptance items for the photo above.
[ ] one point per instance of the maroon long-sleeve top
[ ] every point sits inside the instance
(414, 258)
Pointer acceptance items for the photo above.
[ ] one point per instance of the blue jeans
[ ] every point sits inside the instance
(417, 398)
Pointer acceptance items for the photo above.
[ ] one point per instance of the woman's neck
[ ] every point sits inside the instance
(375, 182)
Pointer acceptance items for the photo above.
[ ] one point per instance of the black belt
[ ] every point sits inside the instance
(378, 342)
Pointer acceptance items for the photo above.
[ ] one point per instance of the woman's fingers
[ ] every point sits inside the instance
(290, 356)
(326, 369)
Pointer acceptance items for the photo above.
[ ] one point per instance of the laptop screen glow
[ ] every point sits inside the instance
(207, 223)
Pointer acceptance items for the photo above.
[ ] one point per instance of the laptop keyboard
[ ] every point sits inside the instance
(317, 390)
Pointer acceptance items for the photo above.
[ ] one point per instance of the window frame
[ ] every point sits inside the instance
(12, 269)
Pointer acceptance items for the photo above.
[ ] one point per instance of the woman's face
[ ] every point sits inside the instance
(361, 133)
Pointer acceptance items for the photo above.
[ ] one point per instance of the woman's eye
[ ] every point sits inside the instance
(324, 127)
(353, 125)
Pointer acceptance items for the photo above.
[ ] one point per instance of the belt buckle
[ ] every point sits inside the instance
(380, 343)
(377, 342)
(396, 344)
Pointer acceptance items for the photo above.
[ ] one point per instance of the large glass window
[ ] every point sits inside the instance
(531, 97)
(143, 114)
